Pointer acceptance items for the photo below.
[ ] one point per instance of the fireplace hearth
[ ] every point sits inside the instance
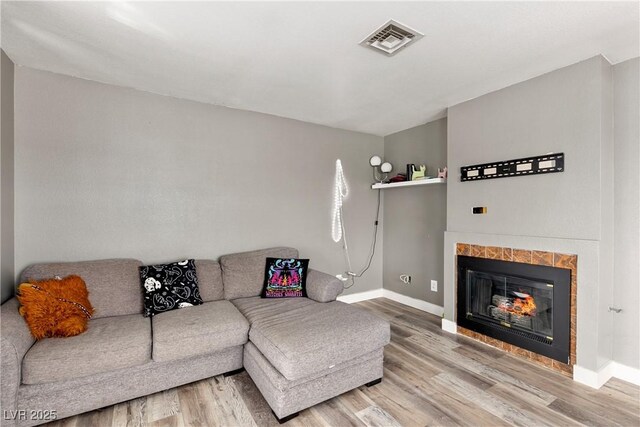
(526, 305)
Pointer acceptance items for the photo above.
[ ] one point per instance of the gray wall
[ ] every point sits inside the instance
(104, 171)
(6, 177)
(605, 243)
(559, 112)
(416, 217)
(626, 329)
(569, 110)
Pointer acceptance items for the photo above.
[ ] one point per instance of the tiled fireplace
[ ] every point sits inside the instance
(520, 301)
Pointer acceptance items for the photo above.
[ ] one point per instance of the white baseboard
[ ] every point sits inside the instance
(593, 379)
(449, 326)
(413, 302)
(361, 296)
(402, 299)
(626, 373)
(597, 379)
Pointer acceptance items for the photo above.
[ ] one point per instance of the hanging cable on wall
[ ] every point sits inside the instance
(339, 230)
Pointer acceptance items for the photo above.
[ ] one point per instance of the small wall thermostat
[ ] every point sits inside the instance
(479, 210)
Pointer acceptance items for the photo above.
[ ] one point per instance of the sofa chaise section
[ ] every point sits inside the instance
(311, 338)
(302, 351)
(286, 398)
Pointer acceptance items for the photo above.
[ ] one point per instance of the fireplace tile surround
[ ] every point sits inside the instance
(534, 257)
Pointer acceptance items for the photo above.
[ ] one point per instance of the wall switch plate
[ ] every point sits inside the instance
(434, 285)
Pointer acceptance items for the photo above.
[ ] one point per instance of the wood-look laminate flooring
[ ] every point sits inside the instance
(431, 378)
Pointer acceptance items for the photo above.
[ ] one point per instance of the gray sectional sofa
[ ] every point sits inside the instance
(298, 351)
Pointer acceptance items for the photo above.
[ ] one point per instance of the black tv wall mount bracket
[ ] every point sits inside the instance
(547, 163)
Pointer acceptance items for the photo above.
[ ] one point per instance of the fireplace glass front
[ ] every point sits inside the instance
(510, 301)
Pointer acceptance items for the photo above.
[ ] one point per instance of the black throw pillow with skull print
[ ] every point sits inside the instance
(167, 287)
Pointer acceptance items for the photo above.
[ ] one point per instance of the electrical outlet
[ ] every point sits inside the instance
(434, 285)
(405, 278)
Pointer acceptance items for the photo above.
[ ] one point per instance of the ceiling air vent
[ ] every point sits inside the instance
(391, 37)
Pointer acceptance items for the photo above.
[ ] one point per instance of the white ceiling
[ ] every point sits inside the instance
(302, 60)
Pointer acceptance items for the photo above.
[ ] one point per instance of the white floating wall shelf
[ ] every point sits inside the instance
(429, 181)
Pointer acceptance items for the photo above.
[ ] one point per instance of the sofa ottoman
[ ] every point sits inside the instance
(302, 352)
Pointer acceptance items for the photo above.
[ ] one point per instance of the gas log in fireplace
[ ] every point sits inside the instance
(521, 304)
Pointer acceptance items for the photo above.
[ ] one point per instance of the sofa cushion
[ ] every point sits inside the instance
(256, 308)
(209, 279)
(316, 337)
(243, 273)
(207, 328)
(113, 284)
(110, 343)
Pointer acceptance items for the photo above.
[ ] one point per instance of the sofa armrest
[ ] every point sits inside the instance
(323, 287)
(15, 341)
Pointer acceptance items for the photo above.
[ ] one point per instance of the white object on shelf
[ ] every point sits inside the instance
(409, 183)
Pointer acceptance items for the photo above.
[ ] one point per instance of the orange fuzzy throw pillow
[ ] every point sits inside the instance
(55, 307)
